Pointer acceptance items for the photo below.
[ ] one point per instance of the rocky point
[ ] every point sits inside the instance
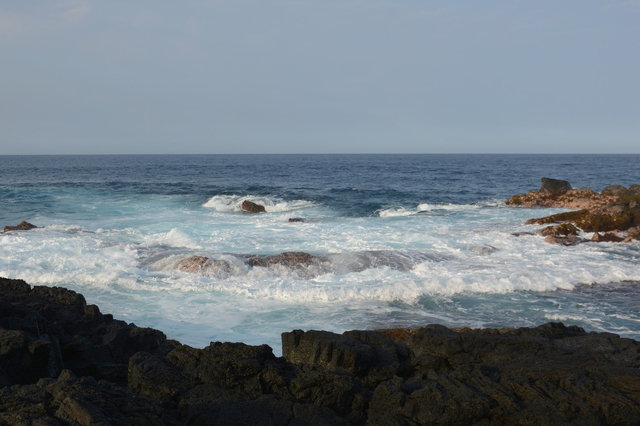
(613, 215)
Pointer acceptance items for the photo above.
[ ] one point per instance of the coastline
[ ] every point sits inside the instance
(64, 361)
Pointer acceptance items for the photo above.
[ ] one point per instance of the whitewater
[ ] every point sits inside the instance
(405, 241)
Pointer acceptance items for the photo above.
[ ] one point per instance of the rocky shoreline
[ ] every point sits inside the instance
(613, 215)
(64, 362)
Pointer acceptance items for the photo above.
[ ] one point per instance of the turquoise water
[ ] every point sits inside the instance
(410, 240)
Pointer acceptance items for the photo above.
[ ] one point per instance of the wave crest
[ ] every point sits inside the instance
(232, 203)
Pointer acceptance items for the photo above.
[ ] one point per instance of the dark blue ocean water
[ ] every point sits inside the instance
(355, 185)
(408, 240)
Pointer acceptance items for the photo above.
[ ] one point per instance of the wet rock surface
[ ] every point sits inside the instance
(22, 226)
(554, 186)
(63, 362)
(251, 207)
(291, 259)
(297, 219)
(614, 212)
(202, 264)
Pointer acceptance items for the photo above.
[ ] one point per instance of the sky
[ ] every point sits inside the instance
(319, 76)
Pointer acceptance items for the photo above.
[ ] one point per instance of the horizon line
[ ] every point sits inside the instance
(322, 153)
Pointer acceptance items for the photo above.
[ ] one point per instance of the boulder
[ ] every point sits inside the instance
(565, 233)
(554, 186)
(615, 190)
(297, 219)
(22, 226)
(289, 259)
(251, 207)
(202, 264)
(561, 230)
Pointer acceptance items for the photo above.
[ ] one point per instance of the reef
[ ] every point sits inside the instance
(62, 361)
(613, 215)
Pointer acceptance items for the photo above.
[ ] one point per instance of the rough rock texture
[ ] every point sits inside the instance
(202, 264)
(609, 237)
(297, 219)
(22, 226)
(565, 233)
(46, 329)
(554, 186)
(615, 211)
(60, 364)
(69, 400)
(289, 259)
(579, 198)
(251, 207)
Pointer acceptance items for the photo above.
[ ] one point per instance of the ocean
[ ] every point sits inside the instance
(408, 240)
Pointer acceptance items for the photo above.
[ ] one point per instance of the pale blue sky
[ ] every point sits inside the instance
(306, 76)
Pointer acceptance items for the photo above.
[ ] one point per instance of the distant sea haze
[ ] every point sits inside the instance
(400, 241)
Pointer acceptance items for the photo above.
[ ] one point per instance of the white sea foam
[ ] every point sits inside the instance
(232, 203)
(377, 271)
(432, 207)
(173, 238)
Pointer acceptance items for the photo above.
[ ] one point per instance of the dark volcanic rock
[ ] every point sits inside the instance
(297, 219)
(77, 401)
(551, 374)
(22, 226)
(554, 186)
(54, 349)
(45, 329)
(251, 207)
(289, 259)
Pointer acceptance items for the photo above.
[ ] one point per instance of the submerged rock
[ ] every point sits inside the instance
(522, 233)
(289, 259)
(297, 219)
(61, 363)
(202, 264)
(251, 207)
(22, 226)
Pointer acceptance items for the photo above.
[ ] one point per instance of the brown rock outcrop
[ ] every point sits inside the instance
(615, 210)
(251, 207)
(565, 233)
(22, 226)
(200, 264)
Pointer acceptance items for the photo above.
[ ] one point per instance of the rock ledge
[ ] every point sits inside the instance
(64, 362)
